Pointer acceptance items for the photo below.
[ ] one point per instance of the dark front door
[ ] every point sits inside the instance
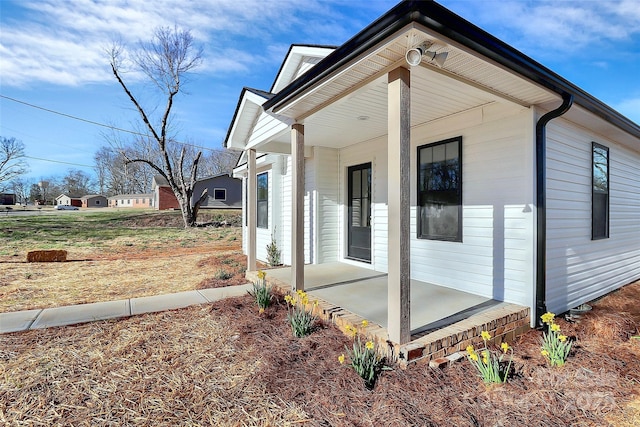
(359, 223)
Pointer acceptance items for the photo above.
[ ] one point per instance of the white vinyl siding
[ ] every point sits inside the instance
(266, 126)
(495, 257)
(580, 269)
(327, 226)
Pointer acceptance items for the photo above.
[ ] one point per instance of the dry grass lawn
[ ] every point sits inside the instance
(139, 255)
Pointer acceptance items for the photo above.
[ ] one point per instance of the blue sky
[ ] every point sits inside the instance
(52, 55)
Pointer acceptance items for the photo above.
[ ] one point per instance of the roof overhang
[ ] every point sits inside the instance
(476, 59)
(247, 112)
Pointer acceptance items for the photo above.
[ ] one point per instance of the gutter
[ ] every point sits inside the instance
(541, 204)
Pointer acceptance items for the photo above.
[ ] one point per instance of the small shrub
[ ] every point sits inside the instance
(273, 252)
(490, 366)
(364, 358)
(301, 321)
(261, 292)
(555, 346)
(223, 274)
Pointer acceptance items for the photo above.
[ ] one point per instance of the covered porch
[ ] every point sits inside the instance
(443, 320)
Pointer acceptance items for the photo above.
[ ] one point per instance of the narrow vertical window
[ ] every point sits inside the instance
(263, 200)
(440, 190)
(600, 192)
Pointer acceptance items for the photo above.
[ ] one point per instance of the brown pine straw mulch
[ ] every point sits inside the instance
(225, 364)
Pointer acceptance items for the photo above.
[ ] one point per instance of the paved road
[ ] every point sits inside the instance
(30, 210)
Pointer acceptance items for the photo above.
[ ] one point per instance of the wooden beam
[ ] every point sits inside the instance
(252, 210)
(398, 165)
(297, 207)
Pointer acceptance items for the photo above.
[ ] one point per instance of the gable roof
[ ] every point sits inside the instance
(299, 59)
(436, 19)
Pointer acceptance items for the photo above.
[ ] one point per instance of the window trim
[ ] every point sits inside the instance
(419, 235)
(595, 145)
(258, 200)
(224, 198)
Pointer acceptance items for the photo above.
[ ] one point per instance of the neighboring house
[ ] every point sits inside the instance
(223, 192)
(69, 200)
(163, 197)
(94, 201)
(7, 199)
(480, 170)
(131, 201)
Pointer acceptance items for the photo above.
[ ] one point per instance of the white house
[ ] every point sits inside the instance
(428, 149)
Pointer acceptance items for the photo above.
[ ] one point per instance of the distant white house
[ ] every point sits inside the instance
(69, 200)
(144, 200)
(476, 168)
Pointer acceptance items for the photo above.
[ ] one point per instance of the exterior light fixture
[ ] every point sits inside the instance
(414, 55)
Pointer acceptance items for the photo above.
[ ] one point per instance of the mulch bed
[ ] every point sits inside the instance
(225, 364)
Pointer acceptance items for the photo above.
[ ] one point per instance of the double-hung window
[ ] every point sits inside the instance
(263, 200)
(440, 190)
(599, 192)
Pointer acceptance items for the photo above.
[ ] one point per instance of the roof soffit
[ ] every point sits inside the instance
(461, 65)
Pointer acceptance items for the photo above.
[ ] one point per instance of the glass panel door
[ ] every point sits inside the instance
(359, 221)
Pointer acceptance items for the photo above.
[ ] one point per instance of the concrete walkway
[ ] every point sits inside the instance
(70, 315)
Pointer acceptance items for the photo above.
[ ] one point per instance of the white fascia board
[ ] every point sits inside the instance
(292, 63)
(250, 109)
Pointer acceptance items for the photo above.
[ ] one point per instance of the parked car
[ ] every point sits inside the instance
(66, 208)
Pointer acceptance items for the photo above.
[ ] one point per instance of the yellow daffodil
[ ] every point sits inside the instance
(341, 359)
(485, 335)
(365, 323)
(545, 353)
(547, 317)
(261, 274)
(555, 327)
(288, 299)
(562, 338)
(369, 345)
(470, 349)
(505, 347)
(261, 311)
(316, 303)
(473, 357)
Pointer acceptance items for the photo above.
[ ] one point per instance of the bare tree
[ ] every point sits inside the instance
(12, 162)
(20, 188)
(77, 182)
(166, 61)
(217, 162)
(115, 176)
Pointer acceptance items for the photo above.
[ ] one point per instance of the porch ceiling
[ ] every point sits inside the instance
(351, 105)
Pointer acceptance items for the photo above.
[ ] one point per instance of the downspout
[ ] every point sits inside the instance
(541, 203)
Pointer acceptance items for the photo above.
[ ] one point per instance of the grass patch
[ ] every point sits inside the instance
(112, 255)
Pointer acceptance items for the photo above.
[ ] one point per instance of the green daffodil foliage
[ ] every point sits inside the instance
(488, 363)
(555, 346)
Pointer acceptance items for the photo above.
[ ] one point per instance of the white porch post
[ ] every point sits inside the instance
(398, 158)
(252, 210)
(297, 207)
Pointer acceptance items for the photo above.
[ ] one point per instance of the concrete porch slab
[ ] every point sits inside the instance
(71, 315)
(443, 320)
(17, 321)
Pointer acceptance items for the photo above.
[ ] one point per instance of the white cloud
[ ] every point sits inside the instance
(64, 42)
(549, 27)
